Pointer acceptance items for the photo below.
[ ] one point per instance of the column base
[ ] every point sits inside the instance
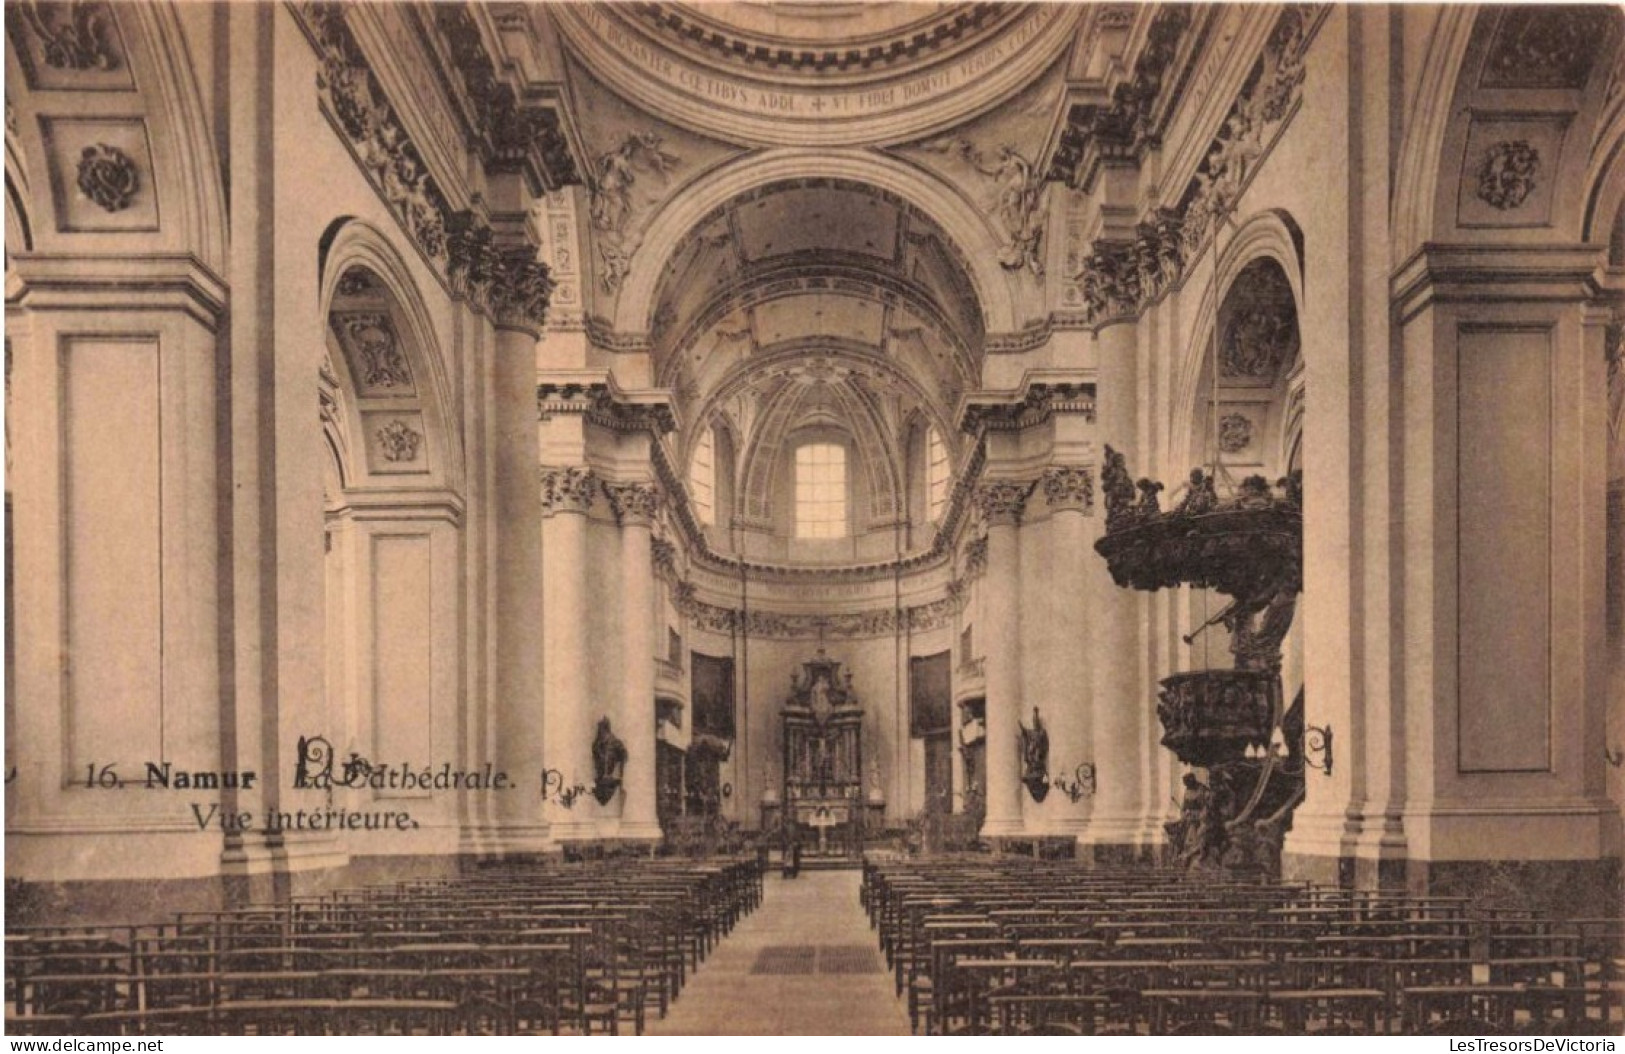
(1116, 854)
(1109, 830)
(1002, 827)
(648, 831)
(520, 838)
(575, 830)
(1553, 888)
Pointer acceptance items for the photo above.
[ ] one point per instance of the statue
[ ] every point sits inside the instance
(1199, 497)
(1254, 493)
(1149, 507)
(1291, 487)
(1035, 758)
(1182, 832)
(608, 762)
(1118, 489)
(819, 703)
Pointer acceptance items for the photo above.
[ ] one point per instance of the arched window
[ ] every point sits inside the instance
(936, 474)
(820, 490)
(702, 478)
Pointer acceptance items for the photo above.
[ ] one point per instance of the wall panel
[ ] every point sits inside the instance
(112, 508)
(1504, 451)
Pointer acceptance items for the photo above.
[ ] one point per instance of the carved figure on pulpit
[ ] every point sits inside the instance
(1118, 487)
(1182, 833)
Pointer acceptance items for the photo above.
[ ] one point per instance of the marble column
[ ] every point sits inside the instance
(1121, 702)
(1069, 494)
(518, 677)
(1001, 502)
(635, 505)
(567, 499)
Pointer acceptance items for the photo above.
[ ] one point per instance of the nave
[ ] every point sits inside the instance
(804, 964)
(591, 948)
(990, 945)
(972, 944)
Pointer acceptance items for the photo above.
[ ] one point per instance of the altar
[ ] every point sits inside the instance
(823, 761)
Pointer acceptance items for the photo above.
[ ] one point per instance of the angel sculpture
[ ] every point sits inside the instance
(1020, 204)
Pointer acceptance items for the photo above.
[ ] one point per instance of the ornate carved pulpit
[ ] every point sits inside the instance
(823, 760)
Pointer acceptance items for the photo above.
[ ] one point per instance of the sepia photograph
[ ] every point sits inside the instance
(814, 517)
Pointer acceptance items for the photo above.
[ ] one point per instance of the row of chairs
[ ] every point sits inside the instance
(578, 948)
(1011, 944)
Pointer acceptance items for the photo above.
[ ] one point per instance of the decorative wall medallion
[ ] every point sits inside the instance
(1235, 433)
(370, 340)
(399, 442)
(1546, 46)
(101, 173)
(108, 176)
(1506, 176)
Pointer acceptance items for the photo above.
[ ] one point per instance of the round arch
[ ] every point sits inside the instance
(1270, 235)
(1416, 184)
(351, 243)
(956, 215)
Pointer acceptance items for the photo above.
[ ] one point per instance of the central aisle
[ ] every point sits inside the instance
(804, 963)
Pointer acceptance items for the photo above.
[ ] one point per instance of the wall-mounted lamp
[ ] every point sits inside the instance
(554, 790)
(1081, 785)
(1615, 757)
(1317, 747)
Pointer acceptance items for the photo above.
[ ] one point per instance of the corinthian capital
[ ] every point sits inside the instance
(1069, 487)
(1002, 500)
(634, 503)
(568, 490)
(520, 289)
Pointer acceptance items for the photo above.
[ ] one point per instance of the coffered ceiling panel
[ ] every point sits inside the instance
(799, 221)
(820, 315)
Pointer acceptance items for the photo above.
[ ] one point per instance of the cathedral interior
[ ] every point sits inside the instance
(789, 452)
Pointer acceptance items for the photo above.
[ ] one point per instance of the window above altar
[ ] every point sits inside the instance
(820, 508)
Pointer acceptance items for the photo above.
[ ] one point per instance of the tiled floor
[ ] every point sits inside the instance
(795, 967)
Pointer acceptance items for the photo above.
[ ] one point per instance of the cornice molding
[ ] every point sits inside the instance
(1040, 395)
(1131, 123)
(597, 397)
(756, 104)
(510, 134)
(1448, 273)
(459, 244)
(1121, 277)
(148, 282)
